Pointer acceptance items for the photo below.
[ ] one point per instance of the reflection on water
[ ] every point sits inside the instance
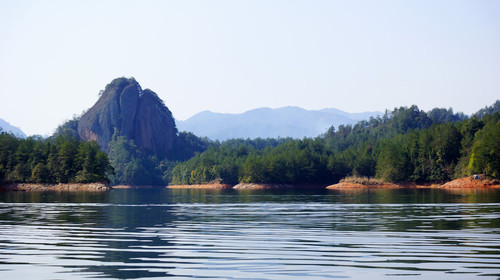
(214, 234)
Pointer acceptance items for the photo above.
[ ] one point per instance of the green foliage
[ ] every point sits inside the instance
(41, 174)
(261, 161)
(488, 110)
(68, 128)
(441, 115)
(132, 166)
(60, 159)
(296, 162)
(222, 162)
(92, 161)
(405, 145)
(485, 157)
(188, 145)
(393, 161)
(127, 162)
(405, 119)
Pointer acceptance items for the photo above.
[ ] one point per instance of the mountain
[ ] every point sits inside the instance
(292, 122)
(139, 115)
(5, 126)
(495, 107)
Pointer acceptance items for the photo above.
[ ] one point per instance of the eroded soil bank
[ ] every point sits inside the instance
(201, 186)
(247, 186)
(462, 183)
(55, 187)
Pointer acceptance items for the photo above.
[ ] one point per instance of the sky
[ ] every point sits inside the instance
(233, 56)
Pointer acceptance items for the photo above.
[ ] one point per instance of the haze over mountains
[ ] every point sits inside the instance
(5, 126)
(292, 122)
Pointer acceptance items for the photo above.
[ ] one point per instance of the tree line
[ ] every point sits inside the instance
(132, 166)
(403, 145)
(62, 159)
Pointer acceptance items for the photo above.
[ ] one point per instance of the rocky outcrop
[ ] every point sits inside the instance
(138, 114)
(470, 182)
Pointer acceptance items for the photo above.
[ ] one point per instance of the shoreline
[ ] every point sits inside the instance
(67, 187)
(135, 187)
(264, 186)
(247, 186)
(461, 183)
(254, 186)
(202, 186)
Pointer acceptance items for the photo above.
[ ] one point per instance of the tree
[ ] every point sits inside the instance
(41, 174)
(393, 162)
(65, 165)
(485, 157)
(131, 166)
(406, 145)
(20, 173)
(57, 159)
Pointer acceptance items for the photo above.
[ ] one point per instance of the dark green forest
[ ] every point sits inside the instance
(404, 145)
(132, 165)
(62, 159)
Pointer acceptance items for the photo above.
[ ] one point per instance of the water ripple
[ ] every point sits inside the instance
(249, 241)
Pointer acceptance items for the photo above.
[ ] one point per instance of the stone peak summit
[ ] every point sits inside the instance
(125, 108)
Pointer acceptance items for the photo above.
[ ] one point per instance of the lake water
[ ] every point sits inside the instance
(214, 234)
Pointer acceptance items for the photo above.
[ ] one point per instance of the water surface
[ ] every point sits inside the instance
(213, 234)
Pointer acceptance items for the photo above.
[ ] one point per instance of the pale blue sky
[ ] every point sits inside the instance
(232, 56)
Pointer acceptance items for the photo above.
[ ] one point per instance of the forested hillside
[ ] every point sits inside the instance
(404, 145)
(137, 131)
(54, 160)
(134, 166)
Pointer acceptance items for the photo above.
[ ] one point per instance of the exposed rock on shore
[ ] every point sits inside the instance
(134, 187)
(252, 186)
(362, 186)
(470, 182)
(201, 186)
(91, 187)
(462, 183)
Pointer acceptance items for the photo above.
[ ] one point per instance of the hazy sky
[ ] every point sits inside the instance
(232, 56)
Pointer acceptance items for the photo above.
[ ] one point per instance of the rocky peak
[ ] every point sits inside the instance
(138, 114)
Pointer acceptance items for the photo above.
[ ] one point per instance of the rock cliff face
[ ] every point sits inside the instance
(138, 114)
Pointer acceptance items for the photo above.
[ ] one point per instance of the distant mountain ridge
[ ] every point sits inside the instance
(292, 122)
(5, 126)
